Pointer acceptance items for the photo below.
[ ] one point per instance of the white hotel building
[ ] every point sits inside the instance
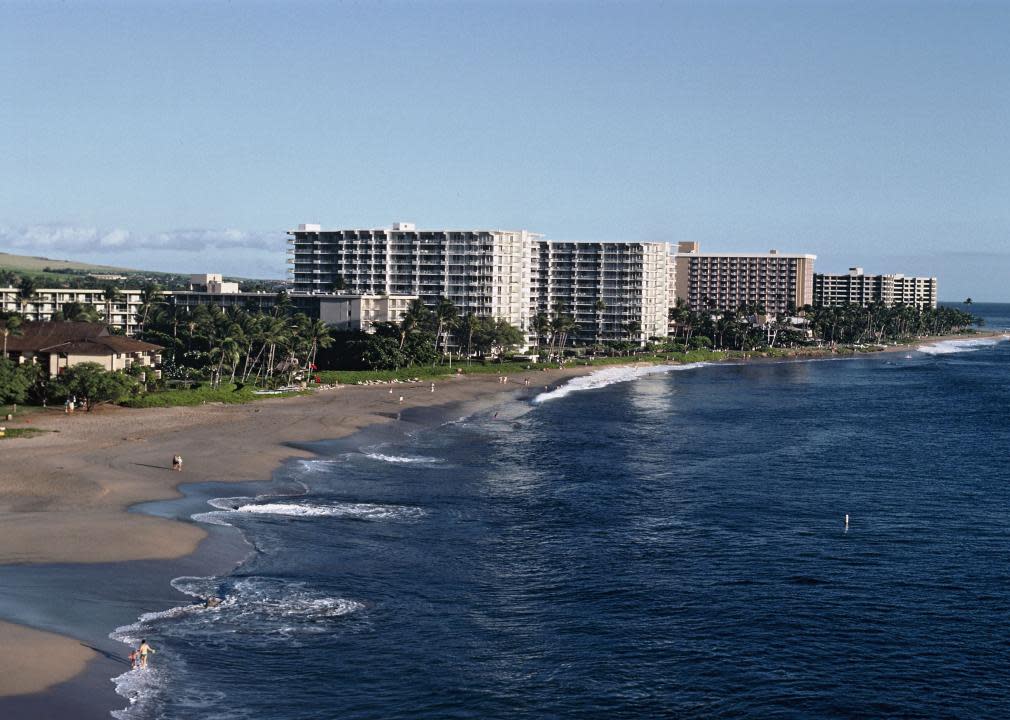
(46, 301)
(857, 288)
(508, 274)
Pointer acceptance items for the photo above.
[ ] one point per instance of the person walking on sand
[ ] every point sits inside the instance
(177, 462)
(144, 650)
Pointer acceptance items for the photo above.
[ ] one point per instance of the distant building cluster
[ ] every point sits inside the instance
(613, 290)
(859, 289)
(354, 278)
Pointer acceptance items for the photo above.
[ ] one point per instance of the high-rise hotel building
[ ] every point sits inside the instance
(857, 288)
(508, 274)
(613, 290)
(484, 272)
(778, 282)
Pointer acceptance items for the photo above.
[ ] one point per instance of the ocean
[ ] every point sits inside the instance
(638, 543)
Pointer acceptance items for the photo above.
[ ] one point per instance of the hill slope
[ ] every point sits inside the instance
(32, 264)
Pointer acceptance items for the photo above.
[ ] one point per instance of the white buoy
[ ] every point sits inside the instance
(846, 521)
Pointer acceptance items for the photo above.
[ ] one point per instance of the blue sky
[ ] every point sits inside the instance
(189, 136)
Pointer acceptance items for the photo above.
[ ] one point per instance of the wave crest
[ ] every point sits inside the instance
(419, 459)
(948, 347)
(610, 376)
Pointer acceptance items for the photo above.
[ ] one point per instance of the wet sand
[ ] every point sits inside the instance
(64, 494)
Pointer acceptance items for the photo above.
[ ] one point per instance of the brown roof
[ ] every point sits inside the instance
(77, 337)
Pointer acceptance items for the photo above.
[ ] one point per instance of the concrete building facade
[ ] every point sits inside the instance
(361, 312)
(507, 274)
(610, 289)
(47, 301)
(778, 282)
(484, 272)
(857, 288)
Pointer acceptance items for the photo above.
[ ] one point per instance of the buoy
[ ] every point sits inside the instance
(846, 521)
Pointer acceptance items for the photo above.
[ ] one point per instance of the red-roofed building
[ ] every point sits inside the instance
(59, 345)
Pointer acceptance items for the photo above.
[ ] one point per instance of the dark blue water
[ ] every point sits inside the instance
(672, 545)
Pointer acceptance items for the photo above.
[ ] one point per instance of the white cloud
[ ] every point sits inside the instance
(41, 239)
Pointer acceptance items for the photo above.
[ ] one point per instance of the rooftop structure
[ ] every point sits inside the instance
(212, 283)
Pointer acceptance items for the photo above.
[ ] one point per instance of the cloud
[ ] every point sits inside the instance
(40, 239)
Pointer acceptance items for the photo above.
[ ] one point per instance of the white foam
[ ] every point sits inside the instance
(948, 347)
(230, 503)
(262, 607)
(364, 511)
(610, 376)
(402, 458)
(140, 687)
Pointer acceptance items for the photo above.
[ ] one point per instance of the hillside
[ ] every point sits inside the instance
(48, 272)
(31, 264)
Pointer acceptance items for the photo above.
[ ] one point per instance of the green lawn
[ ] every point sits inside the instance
(351, 377)
(23, 432)
(198, 396)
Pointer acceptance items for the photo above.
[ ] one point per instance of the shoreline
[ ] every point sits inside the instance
(70, 496)
(66, 496)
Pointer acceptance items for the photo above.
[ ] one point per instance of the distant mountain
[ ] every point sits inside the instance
(32, 264)
(61, 273)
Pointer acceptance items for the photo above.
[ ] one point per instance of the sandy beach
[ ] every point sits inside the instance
(64, 493)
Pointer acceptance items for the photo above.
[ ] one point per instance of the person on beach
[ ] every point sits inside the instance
(177, 463)
(144, 650)
(134, 658)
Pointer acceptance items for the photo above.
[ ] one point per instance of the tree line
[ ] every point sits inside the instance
(749, 327)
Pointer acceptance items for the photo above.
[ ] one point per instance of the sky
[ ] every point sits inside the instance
(189, 137)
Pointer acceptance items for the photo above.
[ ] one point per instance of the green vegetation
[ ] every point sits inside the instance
(224, 356)
(12, 433)
(92, 385)
(72, 274)
(228, 394)
(747, 328)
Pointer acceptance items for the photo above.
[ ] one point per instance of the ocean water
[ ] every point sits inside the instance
(644, 543)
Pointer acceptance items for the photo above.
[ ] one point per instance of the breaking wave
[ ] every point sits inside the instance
(259, 609)
(610, 376)
(402, 458)
(228, 507)
(948, 347)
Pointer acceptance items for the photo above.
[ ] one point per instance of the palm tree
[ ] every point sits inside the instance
(111, 294)
(80, 312)
(150, 296)
(542, 327)
(26, 293)
(446, 315)
(634, 330)
(12, 326)
(317, 334)
(417, 316)
(600, 307)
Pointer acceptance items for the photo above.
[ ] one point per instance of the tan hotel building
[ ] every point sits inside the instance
(725, 281)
